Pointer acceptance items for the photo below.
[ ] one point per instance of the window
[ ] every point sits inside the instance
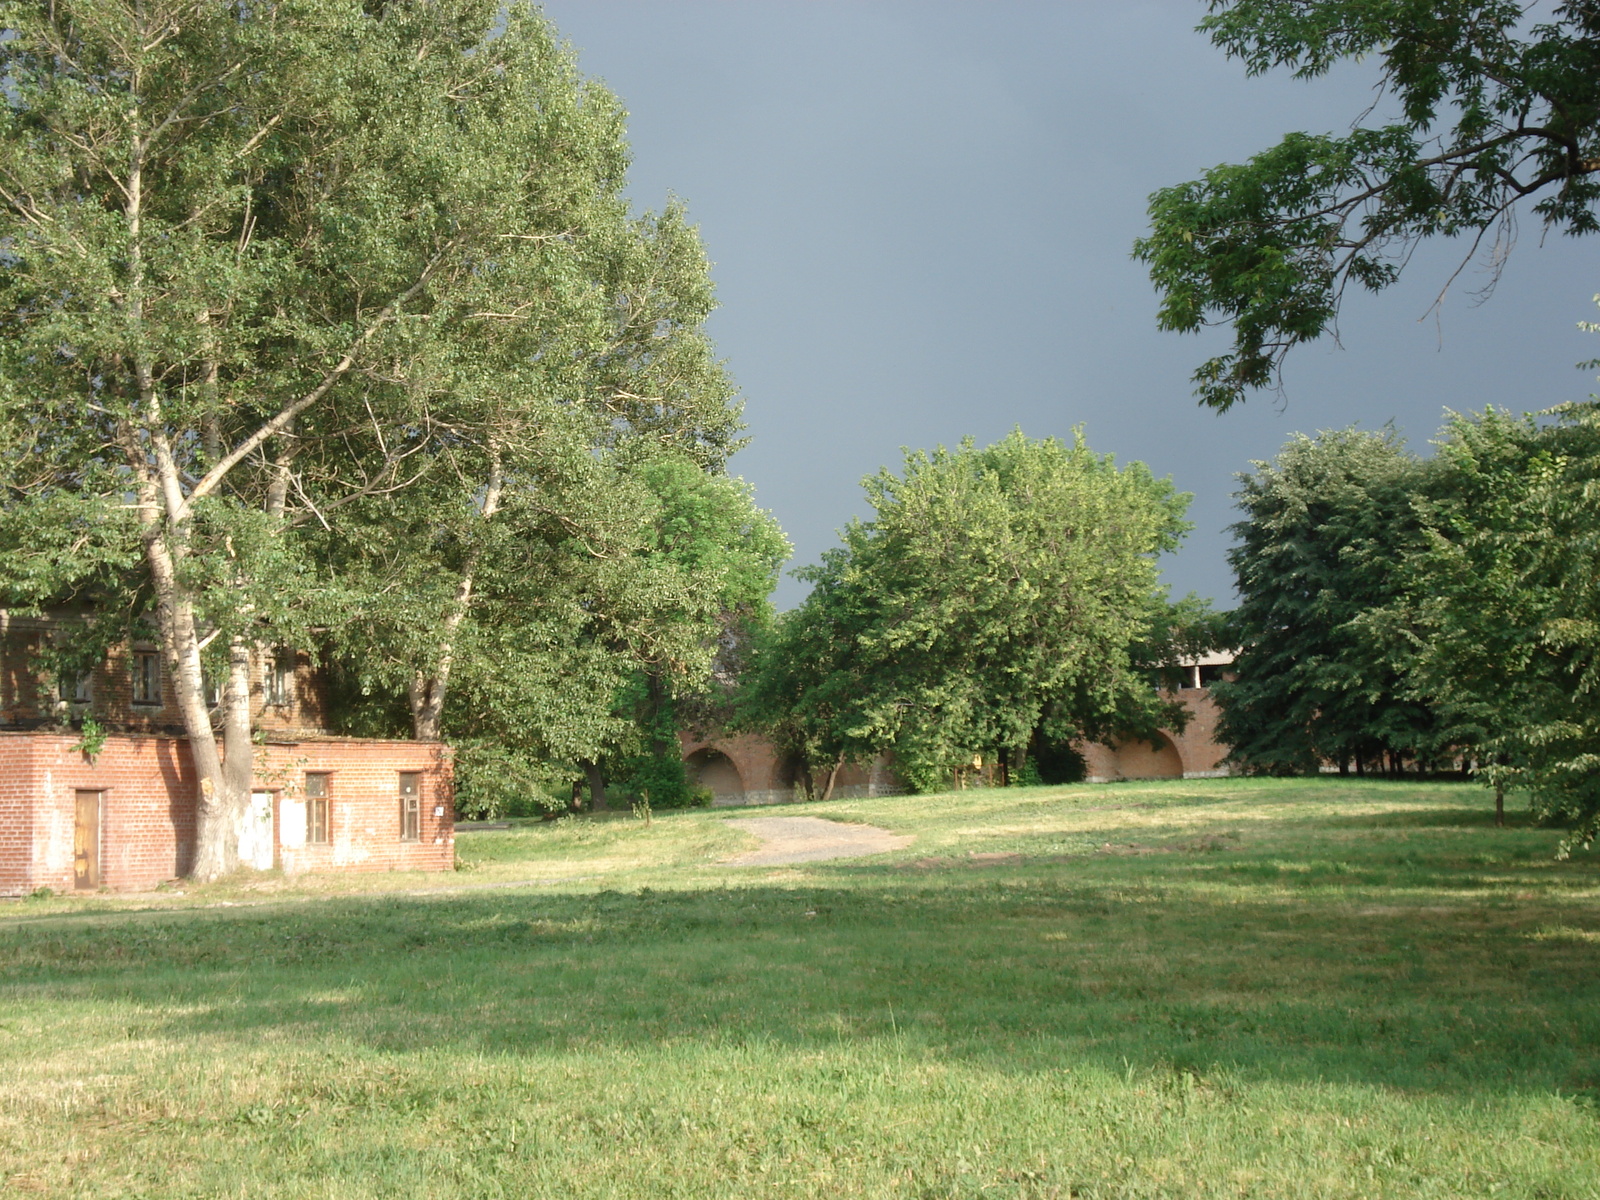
(317, 824)
(74, 689)
(146, 677)
(278, 685)
(410, 806)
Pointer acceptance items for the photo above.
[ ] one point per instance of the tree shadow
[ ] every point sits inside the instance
(1021, 969)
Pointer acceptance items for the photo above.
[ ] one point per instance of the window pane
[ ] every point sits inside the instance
(146, 677)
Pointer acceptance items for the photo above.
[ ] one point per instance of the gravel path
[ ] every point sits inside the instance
(810, 839)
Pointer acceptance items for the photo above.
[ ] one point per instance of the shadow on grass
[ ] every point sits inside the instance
(1024, 967)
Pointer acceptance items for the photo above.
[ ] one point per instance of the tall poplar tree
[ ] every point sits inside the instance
(1327, 527)
(267, 264)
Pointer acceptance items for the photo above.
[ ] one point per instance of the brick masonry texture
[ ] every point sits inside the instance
(1193, 754)
(148, 792)
(745, 769)
(29, 697)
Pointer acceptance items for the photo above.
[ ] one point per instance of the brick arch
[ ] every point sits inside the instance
(752, 759)
(1155, 758)
(1194, 753)
(710, 768)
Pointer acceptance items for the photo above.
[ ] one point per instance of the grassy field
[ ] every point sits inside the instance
(1217, 988)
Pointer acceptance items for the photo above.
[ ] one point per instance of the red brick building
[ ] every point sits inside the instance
(123, 816)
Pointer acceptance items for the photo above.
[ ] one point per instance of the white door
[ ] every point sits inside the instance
(291, 823)
(255, 843)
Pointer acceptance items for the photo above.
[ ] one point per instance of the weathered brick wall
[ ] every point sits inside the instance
(364, 804)
(1202, 753)
(149, 796)
(1194, 753)
(28, 697)
(764, 778)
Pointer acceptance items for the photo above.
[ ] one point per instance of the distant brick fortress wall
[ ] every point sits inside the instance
(1193, 754)
(746, 769)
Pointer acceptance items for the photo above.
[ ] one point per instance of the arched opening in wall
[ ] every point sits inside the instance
(1138, 759)
(791, 776)
(713, 770)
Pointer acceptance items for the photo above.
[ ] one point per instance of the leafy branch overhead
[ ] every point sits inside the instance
(1492, 112)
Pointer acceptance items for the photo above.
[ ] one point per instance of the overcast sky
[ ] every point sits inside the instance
(920, 216)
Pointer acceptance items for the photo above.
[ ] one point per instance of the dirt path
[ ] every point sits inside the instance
(810, 839)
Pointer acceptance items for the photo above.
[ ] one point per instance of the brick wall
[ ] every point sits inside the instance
(1193, 754)
(763, 778)
(28, 697)
(148, 796)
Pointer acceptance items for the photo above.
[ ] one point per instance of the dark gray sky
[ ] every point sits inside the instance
(920, 214)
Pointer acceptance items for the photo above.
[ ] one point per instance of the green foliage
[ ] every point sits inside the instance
(998, 594)
(1428, 609)
(1504, 603)
(1326, 531)
(1492, 110)
(493, 781)
(92, 739)
(659, 775)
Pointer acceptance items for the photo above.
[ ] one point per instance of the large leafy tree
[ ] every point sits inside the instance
(1503, 603)
(997, 593)
(265, 265)
(1492, 112)
(1326, 529)
(606, 588)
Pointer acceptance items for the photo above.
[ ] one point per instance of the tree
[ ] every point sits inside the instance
(1503, 603)
(996, 593)
(605, 588)
(1492, 113)
(1326, 529)
(708, 527)
(265, 266)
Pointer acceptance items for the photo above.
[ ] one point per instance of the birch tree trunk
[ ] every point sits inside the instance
(427, 691)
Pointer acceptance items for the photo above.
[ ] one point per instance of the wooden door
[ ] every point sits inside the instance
(86, 841)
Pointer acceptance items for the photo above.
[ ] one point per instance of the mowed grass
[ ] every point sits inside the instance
(1312, 988)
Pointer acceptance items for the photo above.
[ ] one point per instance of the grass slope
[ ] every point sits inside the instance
(1217, 988)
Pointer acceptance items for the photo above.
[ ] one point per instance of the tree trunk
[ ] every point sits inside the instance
(597, 786)
(1499, 804)
(224, 777)
(427, 691)
(833, 775)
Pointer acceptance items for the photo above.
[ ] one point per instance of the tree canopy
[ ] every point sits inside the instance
(1327, 527)
(998, 593)
(322, 310)
(1502, 608)
(1492, 111)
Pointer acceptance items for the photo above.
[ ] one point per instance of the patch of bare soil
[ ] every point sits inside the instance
(810, 839)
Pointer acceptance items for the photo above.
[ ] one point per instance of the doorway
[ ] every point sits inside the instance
(255, 839)
(86, 840)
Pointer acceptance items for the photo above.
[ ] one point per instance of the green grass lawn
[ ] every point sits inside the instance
(1217, 988)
